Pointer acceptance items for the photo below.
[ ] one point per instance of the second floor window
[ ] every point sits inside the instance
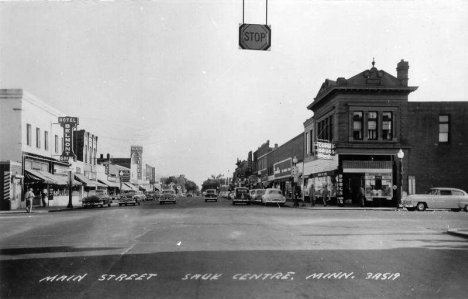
(372, 125)
(38, 138)
(444, 128)
(46, 140)
(56, 144)
(357, 125)
(28, 134)
(387, 133)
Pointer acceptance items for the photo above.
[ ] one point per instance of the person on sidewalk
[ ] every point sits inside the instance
(29, 196)
(325, 194)
(362, 197)
(312, 195)
(43, 197)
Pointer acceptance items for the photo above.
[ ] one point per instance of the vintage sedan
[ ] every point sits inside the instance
(167, 196)
(130, 197)
(256, 196)
(274, 196)
(211, 195)
(241, 195)
(437, 198)
(99, 199)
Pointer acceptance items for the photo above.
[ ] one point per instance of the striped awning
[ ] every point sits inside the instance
(49, 178)
(87, 182)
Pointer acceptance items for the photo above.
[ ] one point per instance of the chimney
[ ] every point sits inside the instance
(108, 157)
(276, 145)
(402, 72)
(102, 157)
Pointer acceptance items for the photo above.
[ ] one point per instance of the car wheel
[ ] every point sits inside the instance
(421, 206)
(465, 208)
(125, 204)
(139, 203)
(233, 203)
(120, 205)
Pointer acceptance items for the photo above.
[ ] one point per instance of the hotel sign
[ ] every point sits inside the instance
(69, 124)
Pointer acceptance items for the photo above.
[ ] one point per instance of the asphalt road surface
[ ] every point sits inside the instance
(195, 249)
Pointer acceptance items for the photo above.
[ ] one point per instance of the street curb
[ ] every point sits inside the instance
(342, 208)
(458, 232)
(65, 209)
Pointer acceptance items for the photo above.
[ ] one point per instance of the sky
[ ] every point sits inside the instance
(170, 76)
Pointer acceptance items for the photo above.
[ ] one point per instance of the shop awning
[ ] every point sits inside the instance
(36, 175)
(125, 187)
(63, 179)
(143, 188)
(87, 182)
(49, 178)
(109, 184)
(351, 166)
(131, 186)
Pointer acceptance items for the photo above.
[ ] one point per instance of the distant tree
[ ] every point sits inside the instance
(214, 182)
(190, 186)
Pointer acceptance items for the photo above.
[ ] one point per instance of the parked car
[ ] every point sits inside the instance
(130, 197)
(150, 195)
(211, 194)
(256, 196)
(231, 195)
(438, 198)
(272, 195)
(99, 199)
(241, 195)
(167, 196)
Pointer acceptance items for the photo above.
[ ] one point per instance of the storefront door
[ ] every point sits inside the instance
(351, 184)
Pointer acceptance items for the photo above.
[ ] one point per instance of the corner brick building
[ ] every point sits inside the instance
(367, 120)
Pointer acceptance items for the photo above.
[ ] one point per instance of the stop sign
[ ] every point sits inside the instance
(254, 37)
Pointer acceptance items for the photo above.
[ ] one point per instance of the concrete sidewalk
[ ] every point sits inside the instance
(40, 209)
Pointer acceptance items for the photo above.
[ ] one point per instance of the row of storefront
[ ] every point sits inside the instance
(367, 144)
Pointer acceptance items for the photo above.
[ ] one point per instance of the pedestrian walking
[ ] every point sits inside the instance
(325, 194)
(29, 196)
(312, 195)
(361, 196)
(43, 197)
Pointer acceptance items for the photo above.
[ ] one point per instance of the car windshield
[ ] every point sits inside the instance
(242, 191)
(210, 191)
(260, 192)
(168, 192)
(129, 192)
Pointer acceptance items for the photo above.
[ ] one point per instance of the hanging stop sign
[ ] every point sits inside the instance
(254, 37)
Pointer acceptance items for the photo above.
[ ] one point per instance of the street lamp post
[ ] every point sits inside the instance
(400, 156)
(296, 204)
(120, 179)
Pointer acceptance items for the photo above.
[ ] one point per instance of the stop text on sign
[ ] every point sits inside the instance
(254, 37)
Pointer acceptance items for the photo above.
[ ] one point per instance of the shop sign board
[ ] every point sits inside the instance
(324, 150)
(283, 169)
(254, 37)
(125, 176)
(68, 123)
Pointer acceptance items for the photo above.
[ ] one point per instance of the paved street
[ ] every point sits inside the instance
(195, 249)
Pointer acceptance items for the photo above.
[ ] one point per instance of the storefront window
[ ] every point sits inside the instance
(378, 185)
(357, 125)
(372, 125)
